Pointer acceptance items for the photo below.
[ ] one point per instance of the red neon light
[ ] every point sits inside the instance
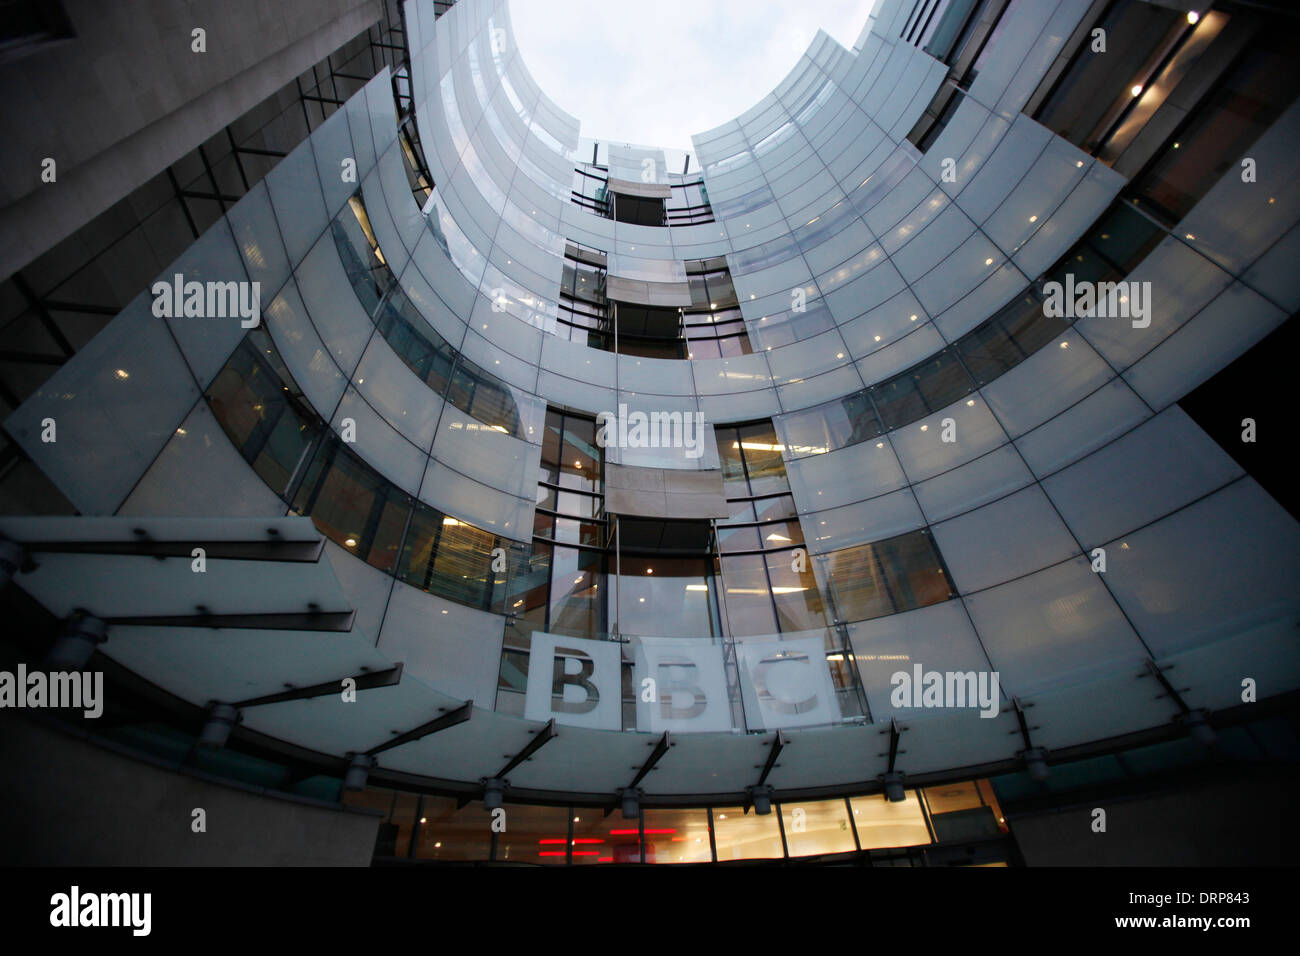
(605, 859)
(635, 832)
(552, 841)
(586, 853)
(550, 853)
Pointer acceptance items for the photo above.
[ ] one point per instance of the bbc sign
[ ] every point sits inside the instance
(679, 684)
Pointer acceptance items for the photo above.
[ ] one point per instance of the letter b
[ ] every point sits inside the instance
(560, 678)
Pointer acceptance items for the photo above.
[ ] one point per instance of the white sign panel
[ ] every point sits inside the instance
(786, 683)
(680, 686)
(576, 681)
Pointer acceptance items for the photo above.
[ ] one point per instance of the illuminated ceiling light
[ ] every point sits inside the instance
(424, 819)
(1079, 163)
(1193, 17)
(181, 432)
(122, 374)
(1065, 345)
(777, 537)
(1137, 89)
(1176, 145)
(1033, 219)
(578, 579)
(880, 444)
(351, 542)
(988, 262)
(787, 590)
(642, 600)
(697, 587)
(877, 338)
(912, 318)
(450, 522)
(649, 570)
(1190, 236)
(839, 355)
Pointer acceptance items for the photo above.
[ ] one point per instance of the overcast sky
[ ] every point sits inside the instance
(653, 73)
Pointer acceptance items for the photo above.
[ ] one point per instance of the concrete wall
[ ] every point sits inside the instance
(66, 802)
(1247, 823)
(127, 96)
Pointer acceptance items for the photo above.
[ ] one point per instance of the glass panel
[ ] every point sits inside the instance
(666, 597)
(816, 827)
(882, 824)
(577, 600)
(450, 834)
(534, 835)
(759, 445)
(677, 836)
(746, 836)
(353, 506)
(798, 602)
(604, 839)
(1093, 85)
(447, 557)
(748, 598)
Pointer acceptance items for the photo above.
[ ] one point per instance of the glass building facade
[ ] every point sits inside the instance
(664, 478)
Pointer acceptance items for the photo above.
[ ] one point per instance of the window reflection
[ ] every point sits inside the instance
(882, 824)
(746, 836)
(535, 835)
(815, 827)
(677, 836)
(449, 833)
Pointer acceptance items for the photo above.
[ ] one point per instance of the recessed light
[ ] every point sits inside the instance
(1193, 17)
(1137, 89)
